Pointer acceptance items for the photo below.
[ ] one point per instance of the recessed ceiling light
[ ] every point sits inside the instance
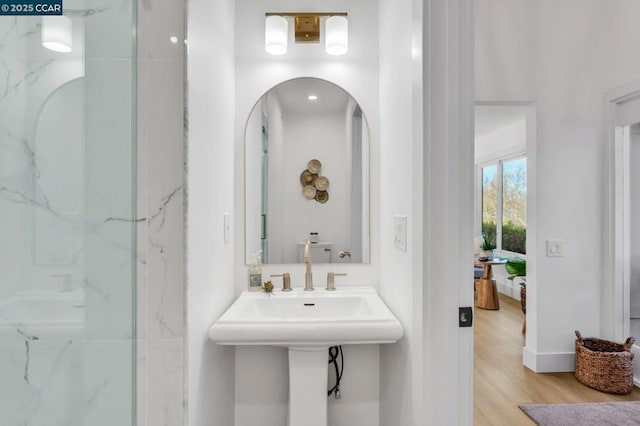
(312, 97)
(173, 39)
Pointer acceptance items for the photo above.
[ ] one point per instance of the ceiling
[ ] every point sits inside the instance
(293, 96)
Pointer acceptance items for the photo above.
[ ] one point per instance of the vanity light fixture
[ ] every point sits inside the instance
(275, 35)
(337, 37)
(306, 30)
(312, 97)
(57, 33)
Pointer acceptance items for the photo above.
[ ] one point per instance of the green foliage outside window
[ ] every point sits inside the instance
(505, 185)
(490, 230)
(514, 238)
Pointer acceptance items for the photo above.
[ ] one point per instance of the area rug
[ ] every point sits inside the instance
(589, 414)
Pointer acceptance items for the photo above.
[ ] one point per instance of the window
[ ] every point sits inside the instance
(504, 204)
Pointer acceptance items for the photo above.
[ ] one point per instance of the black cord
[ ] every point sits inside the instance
(334, 352)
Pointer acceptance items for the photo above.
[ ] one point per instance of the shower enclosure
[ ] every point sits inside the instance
(67, 218)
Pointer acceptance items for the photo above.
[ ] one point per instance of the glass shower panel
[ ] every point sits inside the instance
(67, 190)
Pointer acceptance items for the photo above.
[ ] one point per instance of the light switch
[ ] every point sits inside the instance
(555, 248)
(400, 232)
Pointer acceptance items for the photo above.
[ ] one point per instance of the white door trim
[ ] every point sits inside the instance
(447, 224)
(615, 291)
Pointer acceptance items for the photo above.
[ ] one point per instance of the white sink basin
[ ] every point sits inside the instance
(352, 315)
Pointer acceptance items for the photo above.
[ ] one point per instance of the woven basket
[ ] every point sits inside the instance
(604, 365)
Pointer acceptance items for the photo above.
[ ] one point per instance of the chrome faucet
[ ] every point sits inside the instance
(308, 276)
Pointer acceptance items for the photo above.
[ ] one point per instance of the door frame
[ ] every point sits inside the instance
(615, 291)
(531, 143)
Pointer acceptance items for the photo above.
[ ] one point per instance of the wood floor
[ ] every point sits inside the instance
(501, 382)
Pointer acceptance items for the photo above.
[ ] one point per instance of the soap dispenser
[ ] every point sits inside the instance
(255, 273)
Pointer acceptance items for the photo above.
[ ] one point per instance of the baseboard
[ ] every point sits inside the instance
(509, 290)
(548, 362)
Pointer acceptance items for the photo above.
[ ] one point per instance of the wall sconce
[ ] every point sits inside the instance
(337, 36)
(307, 30)
(57, 34)
(275, 35)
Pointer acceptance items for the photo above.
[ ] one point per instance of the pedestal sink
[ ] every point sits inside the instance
(307, 323)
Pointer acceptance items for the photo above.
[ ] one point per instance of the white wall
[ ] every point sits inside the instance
(210, 275)
(621, 34)
(398, 183)
(502, 142)
(324, 139)
(563, 57)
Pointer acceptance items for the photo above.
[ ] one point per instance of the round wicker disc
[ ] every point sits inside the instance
(314, 166)
(309, 192)
(322, 196)
(322, 183)
(307, 178)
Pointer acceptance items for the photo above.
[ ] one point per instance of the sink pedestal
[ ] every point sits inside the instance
(308, 369)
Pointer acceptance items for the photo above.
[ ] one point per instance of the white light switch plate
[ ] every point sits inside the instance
(400, 232)
(555, 248)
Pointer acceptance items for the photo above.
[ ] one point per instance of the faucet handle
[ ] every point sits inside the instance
(331, 282)
(286, 280)
(344, 253)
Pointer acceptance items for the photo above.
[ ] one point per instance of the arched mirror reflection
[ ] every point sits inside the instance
(307, 175)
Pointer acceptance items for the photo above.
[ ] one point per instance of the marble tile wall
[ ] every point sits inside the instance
(160, 276)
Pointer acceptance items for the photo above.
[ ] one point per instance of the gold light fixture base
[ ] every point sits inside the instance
(307, 29)
(307, 24)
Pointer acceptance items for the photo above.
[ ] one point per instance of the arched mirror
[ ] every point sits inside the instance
(307, 175)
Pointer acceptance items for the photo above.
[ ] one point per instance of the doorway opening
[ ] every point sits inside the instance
(504, 211)
(504, 184)
(621, 301)
(634, 227)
